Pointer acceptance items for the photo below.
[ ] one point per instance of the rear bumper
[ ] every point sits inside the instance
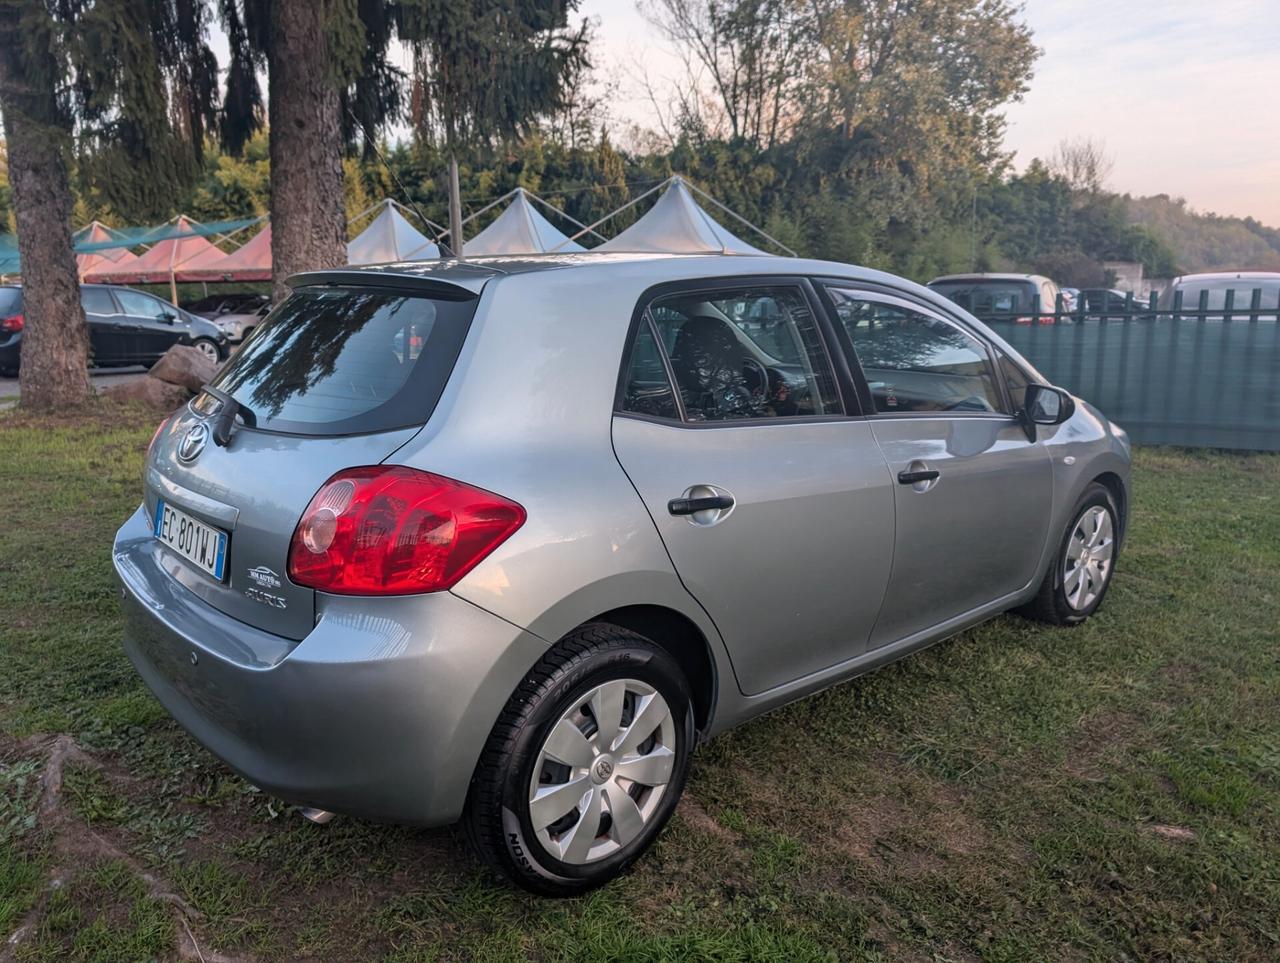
(381, 711)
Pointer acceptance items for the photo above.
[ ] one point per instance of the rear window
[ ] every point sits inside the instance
(10, 301)
(341, 361)
(1218, 293)
(988, 297)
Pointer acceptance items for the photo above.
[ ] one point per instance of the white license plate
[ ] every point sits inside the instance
(202, 545)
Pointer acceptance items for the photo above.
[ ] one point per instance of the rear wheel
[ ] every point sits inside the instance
(585, 765)
(1080, 575)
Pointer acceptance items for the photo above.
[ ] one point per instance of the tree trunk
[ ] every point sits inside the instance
(55, 338)
(308, 219)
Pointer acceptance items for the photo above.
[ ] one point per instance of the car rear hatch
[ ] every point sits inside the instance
(340, 375)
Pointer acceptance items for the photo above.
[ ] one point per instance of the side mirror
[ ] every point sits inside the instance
(1045, 405)
(167, 317)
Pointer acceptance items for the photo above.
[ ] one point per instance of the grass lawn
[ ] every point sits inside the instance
(1016, 793)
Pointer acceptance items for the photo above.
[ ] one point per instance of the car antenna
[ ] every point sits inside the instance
(438, 240)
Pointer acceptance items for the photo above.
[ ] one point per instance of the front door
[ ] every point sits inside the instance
(973, 494)
(776, 508)
(154, 321)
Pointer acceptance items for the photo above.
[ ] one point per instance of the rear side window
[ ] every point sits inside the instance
(647, 390)
(337, 361)
(97, 301)
(989, 296)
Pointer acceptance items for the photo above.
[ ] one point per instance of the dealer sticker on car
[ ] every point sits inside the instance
(202, 545)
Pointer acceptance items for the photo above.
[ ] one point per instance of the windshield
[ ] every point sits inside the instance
(336, 361)
(987, 296)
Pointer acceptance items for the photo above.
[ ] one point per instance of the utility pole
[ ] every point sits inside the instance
(455, 209)
(973, 231)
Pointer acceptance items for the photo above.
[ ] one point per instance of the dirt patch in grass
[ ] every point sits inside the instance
(915, 830)
(1100, 734)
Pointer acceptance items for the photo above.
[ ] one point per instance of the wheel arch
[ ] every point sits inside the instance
(1115, 485)
(680, 637)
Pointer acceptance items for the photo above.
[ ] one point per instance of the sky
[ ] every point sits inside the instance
(1182, 92)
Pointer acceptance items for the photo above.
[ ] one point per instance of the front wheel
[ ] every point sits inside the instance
(208, 348)
(585, 765)
(1080, 575)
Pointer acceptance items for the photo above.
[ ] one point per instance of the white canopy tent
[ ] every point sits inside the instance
(389, 237)
(520, 229)
(676, 224)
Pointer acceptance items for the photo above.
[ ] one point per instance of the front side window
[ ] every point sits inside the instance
(138, 305)
(915, 362)
(745, 353)
(1015, 380)
(333, 361)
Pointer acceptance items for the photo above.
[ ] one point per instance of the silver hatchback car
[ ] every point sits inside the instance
(503, 539)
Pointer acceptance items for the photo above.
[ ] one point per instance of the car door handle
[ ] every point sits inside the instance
(920, 475)
(687, 506)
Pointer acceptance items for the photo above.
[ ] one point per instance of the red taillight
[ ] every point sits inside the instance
(390, 530)
(12, 323)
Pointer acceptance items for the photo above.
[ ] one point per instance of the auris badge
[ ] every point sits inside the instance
(193, 442)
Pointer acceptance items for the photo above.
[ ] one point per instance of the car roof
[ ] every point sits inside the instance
(473, 273)
(991, 277)
(1228, 276)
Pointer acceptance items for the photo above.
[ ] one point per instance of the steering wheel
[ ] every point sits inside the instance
(971, 403)
(763, 392)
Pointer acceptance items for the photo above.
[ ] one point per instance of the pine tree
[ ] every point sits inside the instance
(124, 88)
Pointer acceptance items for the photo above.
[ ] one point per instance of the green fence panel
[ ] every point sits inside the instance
(1200, 378)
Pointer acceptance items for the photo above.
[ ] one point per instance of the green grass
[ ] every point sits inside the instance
(1017, 793)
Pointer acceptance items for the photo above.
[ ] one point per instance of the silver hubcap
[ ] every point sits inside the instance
(602, 771)
(209, 351)
(1087, 566)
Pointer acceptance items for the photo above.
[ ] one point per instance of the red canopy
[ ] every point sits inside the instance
(105, 260)
(169, 260)
(250, 262)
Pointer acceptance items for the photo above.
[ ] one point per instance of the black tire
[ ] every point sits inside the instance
(497, 819)
(1050, 603)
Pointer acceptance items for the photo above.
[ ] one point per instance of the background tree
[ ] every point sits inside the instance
(1083, 162)
(129, 84)
(314, 50)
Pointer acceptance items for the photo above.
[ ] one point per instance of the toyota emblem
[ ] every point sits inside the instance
(193, 442)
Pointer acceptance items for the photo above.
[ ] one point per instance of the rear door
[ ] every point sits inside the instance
(973, 495)
(331, 387)
(774, 505)
(109, 331)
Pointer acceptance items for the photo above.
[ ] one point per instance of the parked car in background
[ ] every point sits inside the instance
(126, 327)
(1104, 301)
(235, 314)
(503, 539)
(1216, 285)
(1008, 296)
